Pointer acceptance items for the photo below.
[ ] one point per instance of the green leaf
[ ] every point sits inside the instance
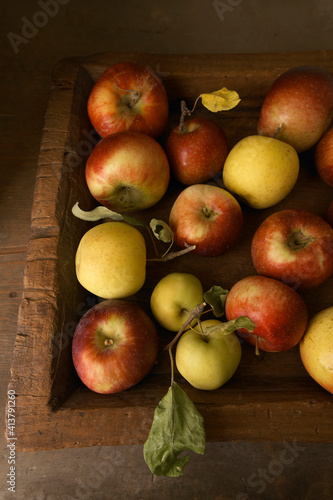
(216, 297)
(232, 325)
(177, 427)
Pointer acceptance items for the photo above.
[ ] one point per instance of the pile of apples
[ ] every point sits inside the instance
(116, 343)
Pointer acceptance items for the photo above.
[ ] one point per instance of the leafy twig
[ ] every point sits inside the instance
(173, 255)
(195, 313)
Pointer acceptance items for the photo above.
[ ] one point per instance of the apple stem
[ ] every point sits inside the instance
(257, 347)
(277, 131)
(152, 239)
(186, 112)
(172, 365)
(172, 255)
(298, 240)
(108, 342)
(196, 312)
(202, 334)
(134, 95)
(167, 250)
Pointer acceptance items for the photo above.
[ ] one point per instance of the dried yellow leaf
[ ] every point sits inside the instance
(220, 100)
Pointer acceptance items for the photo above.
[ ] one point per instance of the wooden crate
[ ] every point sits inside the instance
(271, 397)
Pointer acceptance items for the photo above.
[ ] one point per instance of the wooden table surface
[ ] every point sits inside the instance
(35, 35)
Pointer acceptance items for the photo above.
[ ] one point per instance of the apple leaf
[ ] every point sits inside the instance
(232, 325)
(220, 100)
(216, 297)
(161, 230)
(177, 427)
(102, 212)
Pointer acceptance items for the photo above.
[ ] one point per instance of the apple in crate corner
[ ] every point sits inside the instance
(207, 360)
(127, 171)
(206, 216)
(128, 96)
(316, 348)
(294, 246)
(324, 157)
(196, 151)
(261, 171)
(115, 346)
(278, 312)
(173, 299)
(298, 108)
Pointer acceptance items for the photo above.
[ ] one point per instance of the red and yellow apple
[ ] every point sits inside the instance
(128, 96)
(128, 171)
(206, 358)
(316, 348)
(208, 217)
(278, 312)
(110, 260)
(196, 151)
(324, 157)
(298, 107)
(115, 346)
(294, 246)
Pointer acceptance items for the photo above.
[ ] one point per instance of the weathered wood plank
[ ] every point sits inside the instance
(11, 285)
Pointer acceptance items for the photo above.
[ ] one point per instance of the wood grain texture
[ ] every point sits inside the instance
(270, 397)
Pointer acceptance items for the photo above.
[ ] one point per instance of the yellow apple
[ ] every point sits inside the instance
(111, 260)
(316, 348)
(173, 299)
(261, 171)
(208, 361)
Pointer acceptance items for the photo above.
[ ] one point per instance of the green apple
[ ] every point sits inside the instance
(208, 360)
(174, 298)
(111, 260)
(316, 348)
(261, 171)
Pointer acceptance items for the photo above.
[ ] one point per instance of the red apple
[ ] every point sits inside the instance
(329, 214)
(128, 171)
(115, 345)
(278, 312)
(196, 151)
(128, 96)
(294, 246)
(324, 157)
(206, 216)
(298, 108)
